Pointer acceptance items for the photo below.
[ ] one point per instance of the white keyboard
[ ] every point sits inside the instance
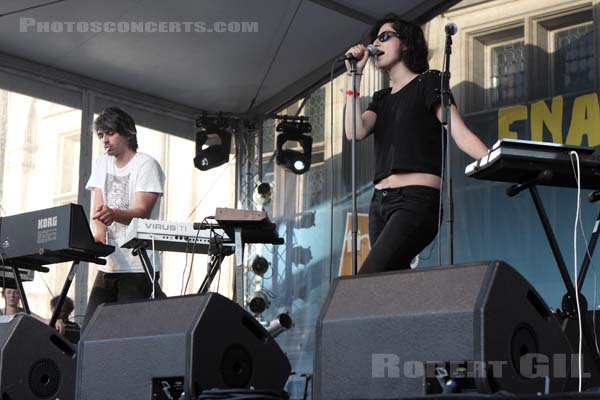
(169, 236)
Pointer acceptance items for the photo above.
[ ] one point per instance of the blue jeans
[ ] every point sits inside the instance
(402, 222)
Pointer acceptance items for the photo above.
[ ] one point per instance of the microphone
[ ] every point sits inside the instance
(371, 49)
(451, 28)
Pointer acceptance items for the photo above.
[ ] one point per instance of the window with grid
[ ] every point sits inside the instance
(574, 58)
(507, 74)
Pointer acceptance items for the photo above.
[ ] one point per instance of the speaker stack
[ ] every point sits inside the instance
(479, 328)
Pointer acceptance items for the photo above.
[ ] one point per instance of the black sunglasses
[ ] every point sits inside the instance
(385, 35)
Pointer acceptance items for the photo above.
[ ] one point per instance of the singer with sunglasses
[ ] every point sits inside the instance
(405, 121)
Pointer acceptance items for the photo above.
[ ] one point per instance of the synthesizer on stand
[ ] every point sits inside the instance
(548, 164)
(246, 226)
(50, 236)
(147, 234)
(178, 237)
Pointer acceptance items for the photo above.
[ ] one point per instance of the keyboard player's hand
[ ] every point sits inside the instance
(60, 327)
(104, 214)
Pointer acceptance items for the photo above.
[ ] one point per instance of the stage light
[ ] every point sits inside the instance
(301, 255)
(297, 161)
(260, 265)
(279, 324)
(305, 220)
(259, 303)
(213, 144)
(262, 194)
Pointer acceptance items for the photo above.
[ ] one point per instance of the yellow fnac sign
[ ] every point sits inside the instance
(568, 120)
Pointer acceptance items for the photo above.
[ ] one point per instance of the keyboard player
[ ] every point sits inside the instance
(125, 184)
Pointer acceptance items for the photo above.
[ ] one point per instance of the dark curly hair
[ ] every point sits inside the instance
(416, 55)
(113, 119)
(67, 307)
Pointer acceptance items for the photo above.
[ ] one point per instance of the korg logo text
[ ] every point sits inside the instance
(49, 222)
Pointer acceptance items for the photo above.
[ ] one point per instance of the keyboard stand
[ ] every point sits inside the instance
(587, 259)
(147, 264)
(144, 259)
(569, 304)
(216, 259)
(63, 294)
(67, 285)
(246, 227)
(65, 289)
(21, 289)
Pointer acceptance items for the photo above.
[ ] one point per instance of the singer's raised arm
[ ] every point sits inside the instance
(365, 121)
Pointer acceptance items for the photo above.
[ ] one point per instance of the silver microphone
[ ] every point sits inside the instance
(451, 28)
(372, 49)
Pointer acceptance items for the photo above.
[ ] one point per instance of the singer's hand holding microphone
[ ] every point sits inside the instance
(361, 54)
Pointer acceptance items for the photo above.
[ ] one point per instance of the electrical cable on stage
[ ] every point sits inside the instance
(153, 278)
(587, 250)
(46, 284)
(575, 272)
(193, 253)
(184, 267)
(3, 280)
(191, 214)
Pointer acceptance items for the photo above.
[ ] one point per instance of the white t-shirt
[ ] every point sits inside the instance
(118, 185)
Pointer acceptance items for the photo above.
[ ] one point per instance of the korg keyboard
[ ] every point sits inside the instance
(49, 236)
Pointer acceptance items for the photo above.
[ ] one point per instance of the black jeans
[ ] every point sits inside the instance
(402, 222)
(120, 288)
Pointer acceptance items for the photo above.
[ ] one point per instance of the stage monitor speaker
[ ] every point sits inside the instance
(477, 328)
(159, 349)
(35, 361)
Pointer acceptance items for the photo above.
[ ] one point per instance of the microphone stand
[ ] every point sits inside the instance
(353, 162)
(447, 123)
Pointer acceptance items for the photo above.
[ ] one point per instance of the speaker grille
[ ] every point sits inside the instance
(236, 366)
(44, 379)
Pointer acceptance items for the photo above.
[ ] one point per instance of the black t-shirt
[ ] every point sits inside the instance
(407, 132)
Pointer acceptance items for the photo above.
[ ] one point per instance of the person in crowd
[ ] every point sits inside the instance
(64, 325)
(12, 300)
